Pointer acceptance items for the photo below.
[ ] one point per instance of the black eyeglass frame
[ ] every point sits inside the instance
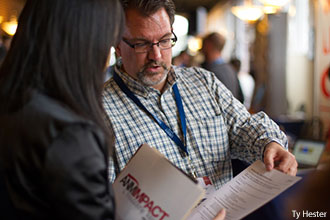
(174, 40)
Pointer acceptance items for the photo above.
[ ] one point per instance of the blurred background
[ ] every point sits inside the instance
(283, 44)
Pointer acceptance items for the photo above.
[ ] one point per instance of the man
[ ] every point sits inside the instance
(213, 45)
(187, 114)
(246, 82)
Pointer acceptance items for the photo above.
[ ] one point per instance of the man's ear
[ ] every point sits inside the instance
(118, 51)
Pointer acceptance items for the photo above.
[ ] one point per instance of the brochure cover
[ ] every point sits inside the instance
(150, 187)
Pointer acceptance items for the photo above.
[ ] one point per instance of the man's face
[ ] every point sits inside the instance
(150, 68)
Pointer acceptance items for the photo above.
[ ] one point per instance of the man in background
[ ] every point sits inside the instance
(213, 45)
(246, 82)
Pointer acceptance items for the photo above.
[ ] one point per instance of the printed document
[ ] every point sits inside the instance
(245, 193)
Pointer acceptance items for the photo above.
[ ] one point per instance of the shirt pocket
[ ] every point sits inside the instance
(214, 139)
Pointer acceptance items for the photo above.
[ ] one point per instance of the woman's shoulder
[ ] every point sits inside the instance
(45, 117)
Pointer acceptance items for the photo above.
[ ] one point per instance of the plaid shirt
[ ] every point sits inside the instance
(219, 128)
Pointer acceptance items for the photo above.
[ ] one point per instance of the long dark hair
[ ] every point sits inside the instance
(60, 49)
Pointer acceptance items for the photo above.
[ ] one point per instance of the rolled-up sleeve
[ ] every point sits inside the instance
(248, 133)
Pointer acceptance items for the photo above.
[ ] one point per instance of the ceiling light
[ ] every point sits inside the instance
(277, 3)
(247, 12)
(268, 9)
(194, 44)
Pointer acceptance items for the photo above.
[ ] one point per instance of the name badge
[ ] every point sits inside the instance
(207, 185)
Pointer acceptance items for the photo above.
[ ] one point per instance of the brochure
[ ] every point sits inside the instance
(150, 187)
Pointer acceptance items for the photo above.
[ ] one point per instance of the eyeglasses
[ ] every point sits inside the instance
(144, 47)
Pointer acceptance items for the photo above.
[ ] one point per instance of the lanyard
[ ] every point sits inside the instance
(167, 130)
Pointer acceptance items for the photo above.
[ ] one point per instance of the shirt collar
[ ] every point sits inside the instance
(220, 60)
(139, 89)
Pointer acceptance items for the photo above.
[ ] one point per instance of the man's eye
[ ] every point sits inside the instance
(165, 41)
(141, 44)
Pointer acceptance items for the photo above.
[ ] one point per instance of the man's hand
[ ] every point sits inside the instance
(275, 156)
(221, 215)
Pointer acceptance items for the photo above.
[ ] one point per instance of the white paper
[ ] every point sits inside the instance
(150, 187)
(245, 193)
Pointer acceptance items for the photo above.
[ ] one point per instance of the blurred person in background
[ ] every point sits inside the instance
(4, 46)
(183, 59)
(212, 47)
(53, 141)
(246, 82)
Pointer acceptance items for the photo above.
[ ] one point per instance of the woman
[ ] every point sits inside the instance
(53, 145)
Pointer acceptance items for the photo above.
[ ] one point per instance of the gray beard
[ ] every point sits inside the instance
(145, 80)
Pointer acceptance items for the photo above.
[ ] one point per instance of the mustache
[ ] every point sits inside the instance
(154, 63)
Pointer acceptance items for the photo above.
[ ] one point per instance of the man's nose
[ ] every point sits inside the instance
(154, 53)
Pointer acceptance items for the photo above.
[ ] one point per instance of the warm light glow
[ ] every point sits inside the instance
(248, 13)
(1, 19)
(194, 44)
(270, 9)
(278, 3)
(10, 26)
(325, 4)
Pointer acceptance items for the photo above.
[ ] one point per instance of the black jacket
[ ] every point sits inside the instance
(54, 163)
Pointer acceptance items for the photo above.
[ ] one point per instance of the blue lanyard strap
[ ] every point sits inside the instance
(167, 130)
